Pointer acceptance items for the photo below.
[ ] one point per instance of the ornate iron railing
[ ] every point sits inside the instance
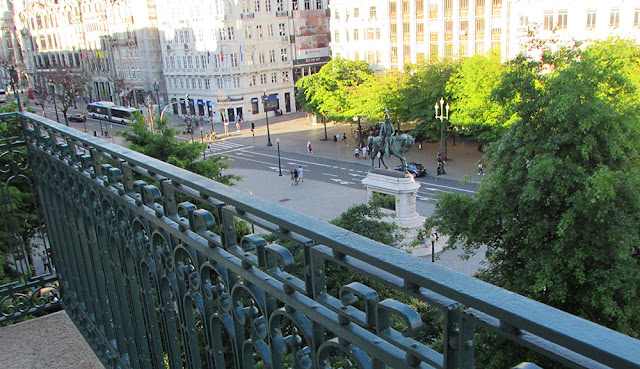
(33, 288)
(153, 273)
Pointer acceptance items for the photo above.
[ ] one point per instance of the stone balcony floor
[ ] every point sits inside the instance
(51, 341)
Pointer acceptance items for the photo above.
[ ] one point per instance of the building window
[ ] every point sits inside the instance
(377, 33)
(274, 77)
(256, 6)
(463, 49)
(282, 30)
(236, 82)
(406, 8)
(562, 19)
(372, 13)
(355, 33)
(263, 78)
(199, 84)
(307, 4)
(267, 5)
(250, 58)
(252, 80)
(270, 30)
(295, 4)
(370, 34)
(245, 6)
(548, 20)
(419, 7)
(591, 19)
(480, 26)
(318, 4)
(356, 12)
(247, 31)
(433, 51)
(433, 10)
(448, 26)
(272, 56)
(197, 59)
(279, 5)
(219, 85)
(190, 62)
(406, 52)
(336, 36)
(284, 55)
(234, 59)
(393, 11)
(356, 56)
(614, 19)
(636, 19)
(406, 29)
(207, 84)
(420, 31)
(480, 48)
(261, 57)
(259, 30)
(336, 14)
(221, 34)
(393, 31)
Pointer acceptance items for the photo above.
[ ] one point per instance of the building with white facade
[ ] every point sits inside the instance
(390, 33)
(567, 20)
(230, 57)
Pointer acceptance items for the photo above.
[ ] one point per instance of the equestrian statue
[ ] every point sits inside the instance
(387, 144)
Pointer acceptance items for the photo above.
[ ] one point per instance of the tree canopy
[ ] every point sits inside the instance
(471, 87)
(162, 144)
(328, 91)
(560, 213)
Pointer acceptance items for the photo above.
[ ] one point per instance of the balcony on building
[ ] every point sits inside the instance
(158, 267)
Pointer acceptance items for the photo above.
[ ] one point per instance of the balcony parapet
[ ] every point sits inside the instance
(151, 269)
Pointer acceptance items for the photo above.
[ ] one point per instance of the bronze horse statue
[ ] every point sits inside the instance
(399, 145)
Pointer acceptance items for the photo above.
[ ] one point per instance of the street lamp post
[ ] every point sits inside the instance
(156, 86)
(266, 114)
(279, 163)
(442, 117)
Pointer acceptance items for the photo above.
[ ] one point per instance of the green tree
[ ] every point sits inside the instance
(366, 220)
(328, 92)
(414, 102)
(68, 86)
(370, 98)
(560, 214)
(162, 145)
(471, 87)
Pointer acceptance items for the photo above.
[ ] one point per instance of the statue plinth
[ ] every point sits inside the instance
(404, 188)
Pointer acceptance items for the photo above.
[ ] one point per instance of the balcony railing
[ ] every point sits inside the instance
(154, 273)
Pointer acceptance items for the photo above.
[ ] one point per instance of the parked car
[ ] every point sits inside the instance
(77, 118)
(416, 169)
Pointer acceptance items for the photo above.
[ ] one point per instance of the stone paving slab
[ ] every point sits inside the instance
(51, 341)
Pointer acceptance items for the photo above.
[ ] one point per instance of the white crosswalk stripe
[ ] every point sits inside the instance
(221, 147)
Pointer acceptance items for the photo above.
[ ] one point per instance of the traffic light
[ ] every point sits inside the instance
(253, 126)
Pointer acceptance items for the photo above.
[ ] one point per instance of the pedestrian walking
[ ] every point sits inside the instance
(300, 174)
(344, 139)
(45, 262)
(480, 169)
(439, 158)
(337, 138)
(364, 152)
(438, 171)
(293, 177)
(309, 149)
(357, 153)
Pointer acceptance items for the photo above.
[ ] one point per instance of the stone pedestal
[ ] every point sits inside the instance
(404, 188)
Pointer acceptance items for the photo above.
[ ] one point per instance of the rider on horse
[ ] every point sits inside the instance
(386, 131)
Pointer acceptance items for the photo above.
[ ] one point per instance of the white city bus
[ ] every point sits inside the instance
(106, 110)
(3, 96)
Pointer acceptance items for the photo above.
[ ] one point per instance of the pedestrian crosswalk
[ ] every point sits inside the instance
(223, 147)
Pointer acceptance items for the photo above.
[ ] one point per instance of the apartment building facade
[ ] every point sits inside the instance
(397, 32)
(566, 20)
